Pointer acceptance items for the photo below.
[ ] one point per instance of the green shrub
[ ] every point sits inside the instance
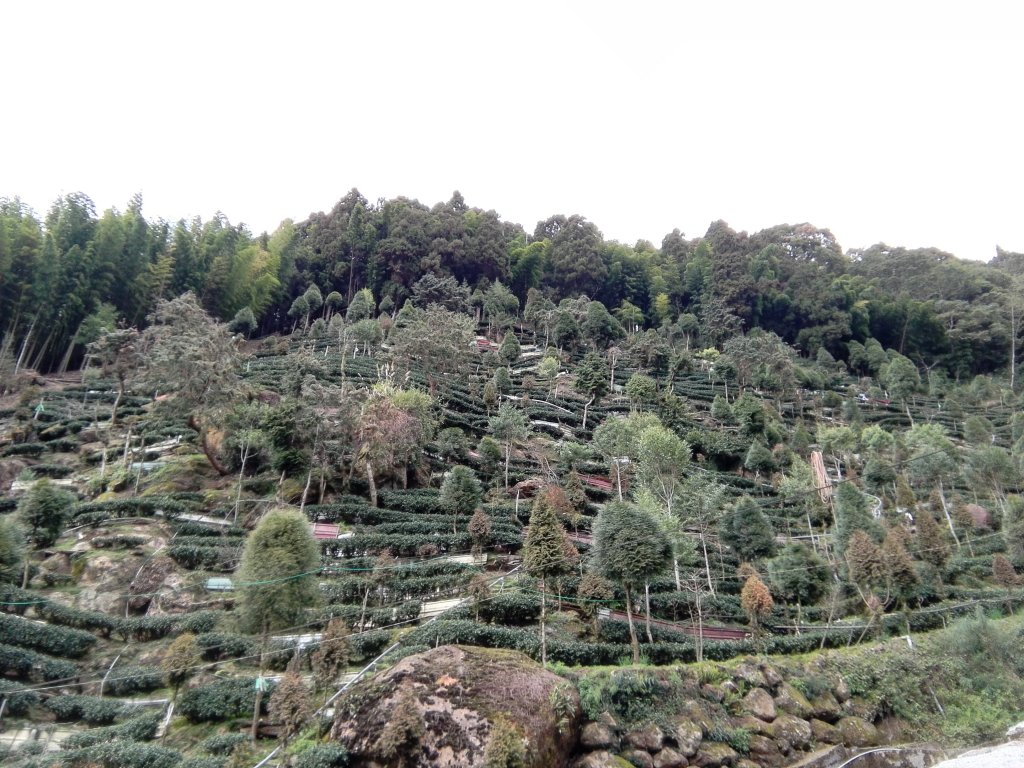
(323, 756)
(125, 681)
(223, 743)
(58, 641)
(220, 700)
(92, 709)
(121, 754)
(141, 728)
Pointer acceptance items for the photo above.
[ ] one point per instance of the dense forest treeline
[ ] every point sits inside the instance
(65, 276)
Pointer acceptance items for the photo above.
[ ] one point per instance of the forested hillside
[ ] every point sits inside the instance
(244, 475)
(64, 276)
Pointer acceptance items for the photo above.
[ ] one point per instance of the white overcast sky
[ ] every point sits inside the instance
(883, 121)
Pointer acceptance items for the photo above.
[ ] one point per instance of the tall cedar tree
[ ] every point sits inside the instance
(853, 514)
(460, 493)
(278, 573)
(544, 555)
(756, 601)
(899, 568)
(798, 575)
(748, 531)
(180, 661)
(1004, 573)
(932, 539)
(509, 426)
(12, 549)
(290, 705)
(480, 530)
(43, 511)
(865, 563)
(630, 549)
(332, 655)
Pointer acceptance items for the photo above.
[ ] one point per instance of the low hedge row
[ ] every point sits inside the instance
(220, 700)
(93, 710)
(48, 638)
(29, 665)
(141, 728)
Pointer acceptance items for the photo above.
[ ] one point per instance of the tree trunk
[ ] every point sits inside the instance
(675, 570)
(949, 518)
(508, 457)
(618, 477)
(372, 483)
(633, 642)
(543, 619)
(647, 611)
(585, 408)
(208, 451)
(707, 563)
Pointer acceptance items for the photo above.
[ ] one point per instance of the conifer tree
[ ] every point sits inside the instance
(1004, 573)
(12, 549)
(899, 568)
(748, 531)
(43, 511)
(798, 576)
(756, 601)
(180, 662)
(290, 705)
(544, 555)
(852, 514)
(480, 530)
(460, 493)
(509, 350)
(332, 655)
(278, 573)
(932, 542)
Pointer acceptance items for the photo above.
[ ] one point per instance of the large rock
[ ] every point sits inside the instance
(825, 707)
(599, 760)
(824, 733)
(457, 695)
(857, 732)
(598, 736)
(650, 739)
(713, 754)
(748, 671)
(794, 732)
(789, 699)
(688, 735)
(639, 758)
(670, 758)
(765, 751)
(759, 703)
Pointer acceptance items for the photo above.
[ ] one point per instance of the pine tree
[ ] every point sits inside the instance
(12, 549)
(575, 493)
(759, 459)
(1003, 572)
(480, 530)
(899, 568)
(864, 561)
(43, 511)
(290, 705)
(331, 655)
(278, 573)
(544, 555)
(460, 493)
(932, 542)
(798, 575)
(756, 601)
(509, 350)
(180, 661)
(748, 531)
(593, 590)
(852, 514)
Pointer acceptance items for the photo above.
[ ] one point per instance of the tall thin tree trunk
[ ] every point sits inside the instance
(634, 643)
(647, 611)
(949, 518)
(372, 483)
(543, 620)
(508, 457)
(707, 563)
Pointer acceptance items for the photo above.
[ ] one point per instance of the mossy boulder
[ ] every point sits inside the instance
(759, 703)
(451, 702)
(791, 732)
(857, 732)
(789, 699)
(713, 754)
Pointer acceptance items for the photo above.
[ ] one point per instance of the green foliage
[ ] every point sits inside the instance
(278, 571)
(43, 512)
(629, 695)
(748, 531)
(91, 709)
(219, 700)
(12, 549)
(506, 747)
(59, 641)
(323, 756)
